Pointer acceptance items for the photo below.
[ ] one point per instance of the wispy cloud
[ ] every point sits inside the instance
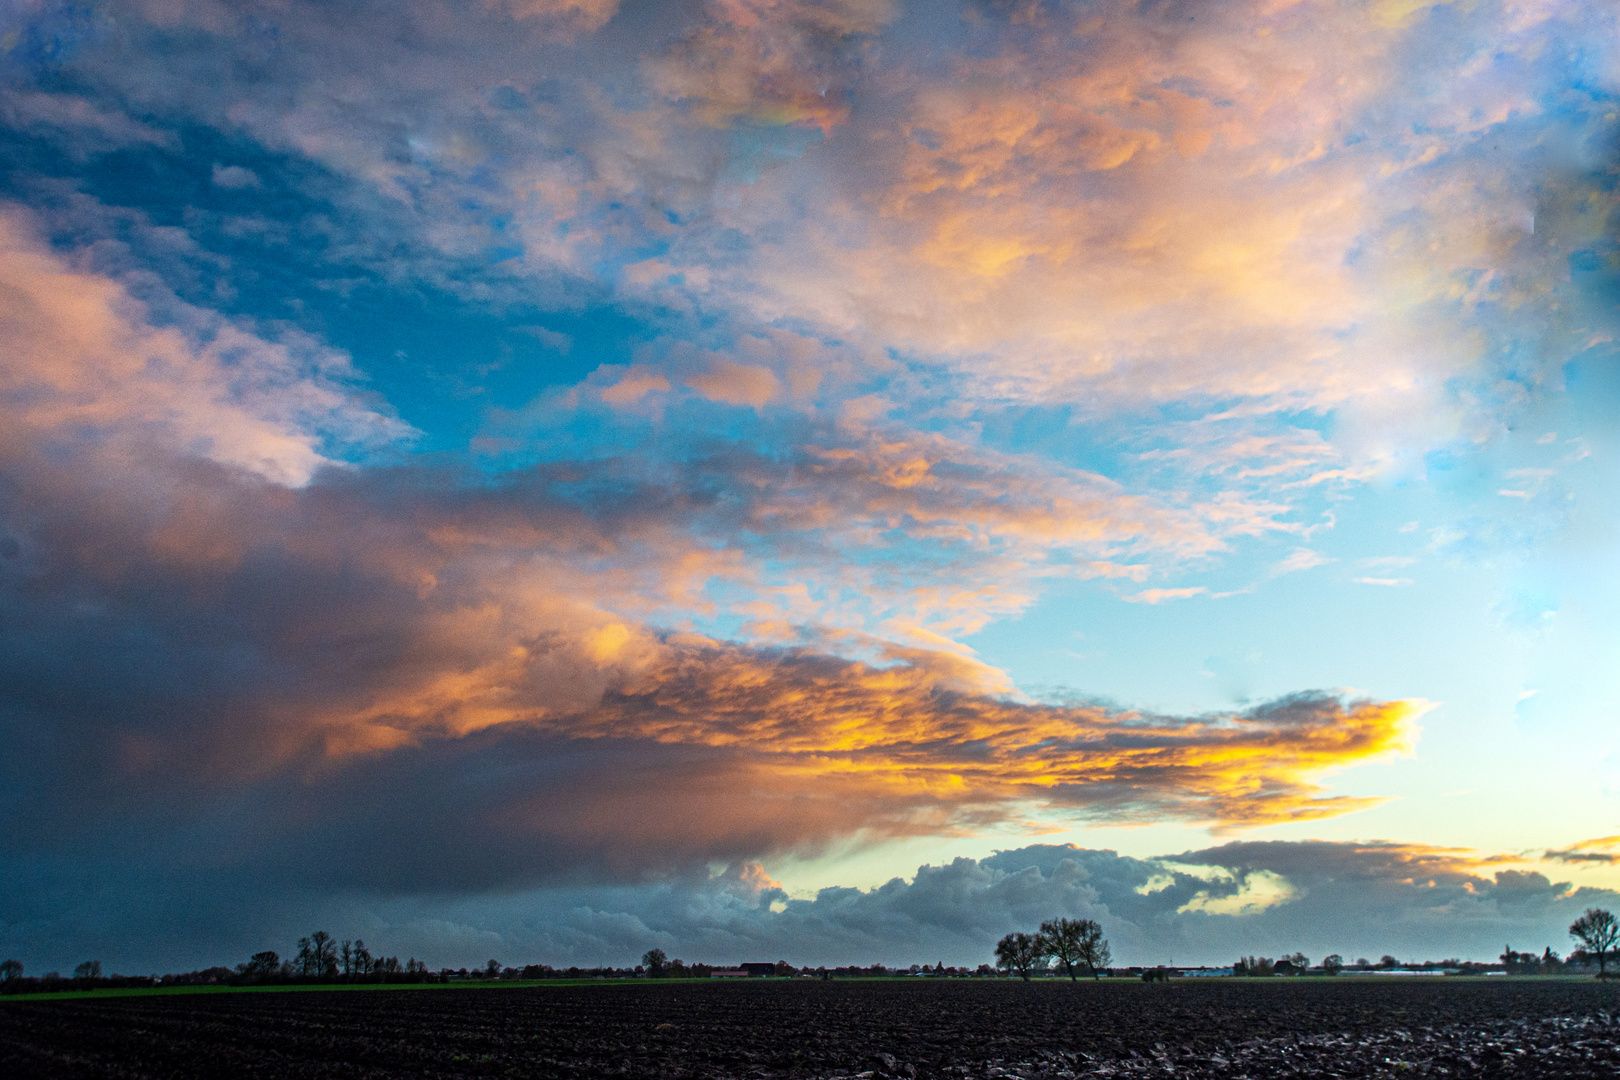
(1300, 559)
(1159, 596)
(1604, 850)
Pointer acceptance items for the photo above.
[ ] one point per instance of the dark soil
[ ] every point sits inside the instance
(1215, 1028)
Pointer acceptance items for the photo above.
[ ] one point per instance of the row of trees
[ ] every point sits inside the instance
(1597, 931)
(321, 956)
(1072, 944)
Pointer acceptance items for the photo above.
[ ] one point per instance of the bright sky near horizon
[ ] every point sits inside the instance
(554, 478)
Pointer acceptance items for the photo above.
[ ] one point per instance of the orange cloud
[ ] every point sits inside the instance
(576, 14)
(635, 385)
(924, 735)
(81, 356)
(770, 63)
(736, 384)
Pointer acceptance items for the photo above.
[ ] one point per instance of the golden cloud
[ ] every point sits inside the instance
(924, 733)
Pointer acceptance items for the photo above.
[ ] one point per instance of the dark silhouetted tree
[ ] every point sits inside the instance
(261, 965)
(654, 961)
(90, 969)
(1519, 963)
(1254, 966)
(363, 964)
(1598, 931)
(1075, 943)
(1060, 939)
(317, 955)
(1094, 951)
(11, 969)
(1332, 963)
(1021, 953)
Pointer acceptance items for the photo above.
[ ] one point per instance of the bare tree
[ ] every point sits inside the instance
(11, 969)
(1021, 952)
(1094, 951)
(362, 957)
(323, 953)
(1598, 931)
(90, 969)
(1075, 943)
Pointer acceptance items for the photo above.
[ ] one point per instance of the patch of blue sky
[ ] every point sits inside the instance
(752, 149)
(285, 244)
(1054, 432)
(37, 40)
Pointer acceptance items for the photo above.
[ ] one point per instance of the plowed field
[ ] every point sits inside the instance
(1214, 1028)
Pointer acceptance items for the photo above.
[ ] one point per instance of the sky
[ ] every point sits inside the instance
(824, 480)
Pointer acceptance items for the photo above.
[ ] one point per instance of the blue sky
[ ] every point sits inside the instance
(549, 478)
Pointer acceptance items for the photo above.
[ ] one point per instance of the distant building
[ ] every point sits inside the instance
(745, 971)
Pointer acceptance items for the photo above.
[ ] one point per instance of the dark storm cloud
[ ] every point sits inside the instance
(1316, 897)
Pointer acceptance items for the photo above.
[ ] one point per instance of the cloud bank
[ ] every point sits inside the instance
(1199, 907)
(458, 451)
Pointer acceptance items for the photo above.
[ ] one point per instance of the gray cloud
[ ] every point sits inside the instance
(1355, 899)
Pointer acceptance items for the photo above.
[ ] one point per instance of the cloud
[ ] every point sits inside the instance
(1604, 849)
(635, 385)
(1159, 596)
(559, 15)
(86, 127)
(234, 177)
(1304, 256)
(1210, 906)
(1139, 212)
(85, 363)
(771, 63)
(1300, 559)
(247, 657)
(1387, 582)
(736, 384)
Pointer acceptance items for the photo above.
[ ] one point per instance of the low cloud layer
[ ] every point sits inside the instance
(1208, 906)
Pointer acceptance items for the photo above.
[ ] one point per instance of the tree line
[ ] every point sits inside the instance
(1597, 931)
(1071, 946)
